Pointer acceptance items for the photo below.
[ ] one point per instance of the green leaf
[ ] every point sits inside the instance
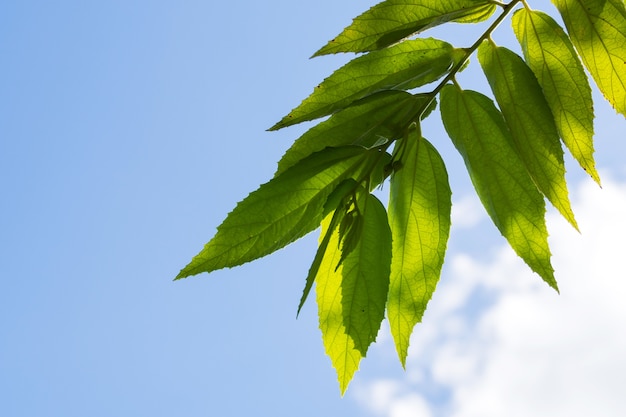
(404, 66)
(337, 198)
(334, 204)
(598, 31)
(381, 117)
(552, 58)
(351, 298)
(380, 171)
(340, 347)
(530, 121)
(479, 132)
(365, 272)
(419, 216)
(393, 20)
(281, 210)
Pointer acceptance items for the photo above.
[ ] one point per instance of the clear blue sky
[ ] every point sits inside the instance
(127, 131)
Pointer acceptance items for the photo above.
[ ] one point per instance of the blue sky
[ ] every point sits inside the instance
(129, 129)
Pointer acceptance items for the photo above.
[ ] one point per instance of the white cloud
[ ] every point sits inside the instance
(467, 212)
(389, 397)
(497, 341)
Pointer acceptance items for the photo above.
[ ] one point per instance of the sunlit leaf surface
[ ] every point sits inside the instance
(530, 121)
(507, 192)
(598, 31)
(419, 216)
(552, 58)
(351, 295)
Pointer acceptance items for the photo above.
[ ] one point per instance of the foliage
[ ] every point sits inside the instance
(372, 261)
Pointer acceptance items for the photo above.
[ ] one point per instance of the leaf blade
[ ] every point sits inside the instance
(367, 265)
(340, 347)
(530, 121)
(393, 20)
(419, 216)
(516, 207)
(552, 58)
(404, 66)
(351, 297)
(597, 29)
(333, 204)
(383, 115)
(280, 211)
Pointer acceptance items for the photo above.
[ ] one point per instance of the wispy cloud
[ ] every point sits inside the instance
(497, 341)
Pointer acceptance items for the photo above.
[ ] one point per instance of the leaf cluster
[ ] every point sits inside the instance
(374, 262)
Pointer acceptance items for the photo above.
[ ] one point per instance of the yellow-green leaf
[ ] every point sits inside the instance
(530, 121)
(351, 295)
(552, 58)
(393, 20)
(598, 31)
(403, 66)
(479, 132)
(419, 217)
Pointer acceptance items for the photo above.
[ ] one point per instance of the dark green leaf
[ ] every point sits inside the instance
(280, 211)
(404, 66)
(419, 216)
(393, 20)
(530, 121)
(380, 117)
(350, 231)
(479, 132)
(380, 172)
(553, 60)
(337, 198)
(598, 31)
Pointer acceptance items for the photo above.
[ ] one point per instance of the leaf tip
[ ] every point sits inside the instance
(324, 50)
(595, 176)
(284, 122)
(343, 385)
(402, 349)
(184, 273)
(275, 127)
(551, 281)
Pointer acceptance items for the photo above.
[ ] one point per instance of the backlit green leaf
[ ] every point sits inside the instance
(419, 216)
(340, 347)
(479, 132)
(335, 200)
(553, 60)
(280, 211)
(381, 117)
(393, 20)
(351, 298)
(530, 121)
(598, 31)
(365, 272)
(404, 66)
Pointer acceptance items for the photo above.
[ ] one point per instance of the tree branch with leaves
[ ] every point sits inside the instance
(374, 261)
